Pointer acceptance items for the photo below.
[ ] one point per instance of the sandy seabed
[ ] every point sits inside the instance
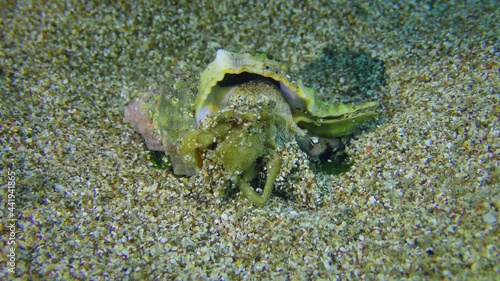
(421, 200)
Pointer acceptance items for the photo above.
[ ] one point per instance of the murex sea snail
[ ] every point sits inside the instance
(246, 106)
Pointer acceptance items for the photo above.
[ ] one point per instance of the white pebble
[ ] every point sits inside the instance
(489, 218)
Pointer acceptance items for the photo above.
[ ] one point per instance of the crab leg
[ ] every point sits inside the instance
(273, 167)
